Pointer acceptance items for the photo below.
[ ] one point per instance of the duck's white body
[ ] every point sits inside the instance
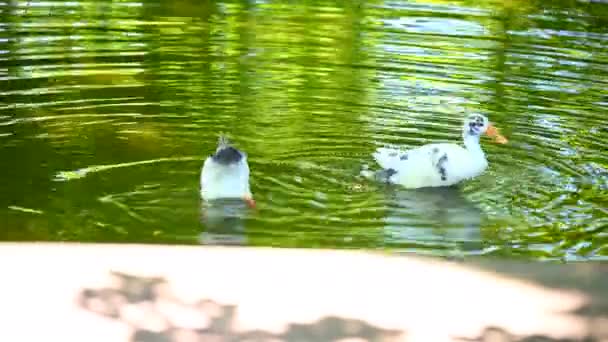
(437, 164)
(422, 166)
(219, 181)
(225, 174)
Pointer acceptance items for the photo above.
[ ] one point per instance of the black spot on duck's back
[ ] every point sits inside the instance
(441, 167)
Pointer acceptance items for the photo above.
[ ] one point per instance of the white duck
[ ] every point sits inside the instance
(225, 174)
(439, 164)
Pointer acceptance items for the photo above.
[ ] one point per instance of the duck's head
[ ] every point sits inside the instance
(477, 125)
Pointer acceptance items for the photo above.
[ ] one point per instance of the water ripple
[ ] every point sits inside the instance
(122, 101)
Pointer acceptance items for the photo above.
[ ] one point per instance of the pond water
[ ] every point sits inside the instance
(108, 109)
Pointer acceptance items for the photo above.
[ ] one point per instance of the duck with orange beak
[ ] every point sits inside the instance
(438, 164)
(225, 174)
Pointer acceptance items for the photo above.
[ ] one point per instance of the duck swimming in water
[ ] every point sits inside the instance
(439, 164)
(225, 174)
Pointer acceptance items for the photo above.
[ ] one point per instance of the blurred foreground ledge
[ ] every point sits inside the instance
(93, 292)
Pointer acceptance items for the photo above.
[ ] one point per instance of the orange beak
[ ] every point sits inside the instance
(250, 202)
(492, 132)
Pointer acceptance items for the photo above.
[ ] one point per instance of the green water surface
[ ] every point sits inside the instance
(108, 109)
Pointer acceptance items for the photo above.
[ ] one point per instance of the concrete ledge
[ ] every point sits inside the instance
(88, 292)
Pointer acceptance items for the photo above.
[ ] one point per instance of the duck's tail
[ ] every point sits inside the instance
(383, 175)
(226, 154)
(387, 158)
(222, 141)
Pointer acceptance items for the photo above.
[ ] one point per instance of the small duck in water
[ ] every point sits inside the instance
(225, 174)
(438, 164)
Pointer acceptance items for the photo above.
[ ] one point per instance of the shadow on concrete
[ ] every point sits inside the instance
(590, 278)
(147, 305)
(496, 334)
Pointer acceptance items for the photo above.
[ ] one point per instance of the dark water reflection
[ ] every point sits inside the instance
(441, 218)
(225, 222)
(107, 110)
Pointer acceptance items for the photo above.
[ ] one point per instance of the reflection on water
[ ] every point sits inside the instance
(433, 219)
(224, 222)
(108, 109)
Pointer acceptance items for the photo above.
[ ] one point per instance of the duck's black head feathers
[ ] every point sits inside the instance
(226, 154)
